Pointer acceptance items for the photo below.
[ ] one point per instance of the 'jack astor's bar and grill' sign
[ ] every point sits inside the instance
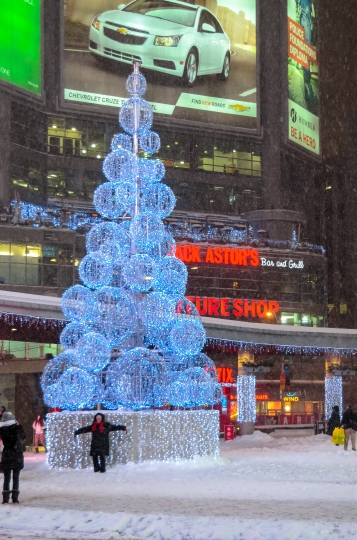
(231, 256)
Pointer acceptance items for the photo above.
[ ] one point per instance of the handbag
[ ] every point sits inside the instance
(20, 445)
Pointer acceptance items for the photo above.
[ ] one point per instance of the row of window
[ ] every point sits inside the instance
(72, 137)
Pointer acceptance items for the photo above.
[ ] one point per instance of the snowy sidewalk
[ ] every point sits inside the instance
(261, 488)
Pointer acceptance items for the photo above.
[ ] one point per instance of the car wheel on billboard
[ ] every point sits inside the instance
(223, 76)
(191, 67)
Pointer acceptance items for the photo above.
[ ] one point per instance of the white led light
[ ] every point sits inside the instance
(246, 398)
(333, 394)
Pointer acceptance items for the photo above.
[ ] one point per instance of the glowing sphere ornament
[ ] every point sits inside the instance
(71, 334)
(106, 202)
(138, 379)
(139, 273)
(171, 277)
(104, 237)
(119, 166)
(116, 314)
(150, 142)
(156, 312)
(187, 337)
(147, 230)
(95, 270)
(76, 389)
(56, 367)
(121, 140)
(159, 199)
(75, 301)
(135, 116)
(93, 352)
(136, 84)
(150, 171)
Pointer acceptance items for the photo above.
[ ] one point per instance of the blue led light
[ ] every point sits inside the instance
(135, 115)
(139, 273)
(119, 166)
(121, 140)
(150, 142)
(95, 270)
(159, 199)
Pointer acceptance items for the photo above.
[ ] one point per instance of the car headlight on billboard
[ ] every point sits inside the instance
(96, 23)
(167, 41)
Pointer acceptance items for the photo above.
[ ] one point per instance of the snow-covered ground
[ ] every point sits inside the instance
(288, 486)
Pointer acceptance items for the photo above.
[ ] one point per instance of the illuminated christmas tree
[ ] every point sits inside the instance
(133, 339)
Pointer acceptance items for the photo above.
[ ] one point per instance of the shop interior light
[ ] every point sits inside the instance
(287, 408)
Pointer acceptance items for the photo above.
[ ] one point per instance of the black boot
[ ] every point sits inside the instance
(15, 495)
(96, 464)
(5, 497)
(102, 463)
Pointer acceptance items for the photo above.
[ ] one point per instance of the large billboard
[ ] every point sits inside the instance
(303, 75)
(199, 56)
(20, 44)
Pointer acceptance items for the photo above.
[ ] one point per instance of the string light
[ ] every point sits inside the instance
(93, 352)
(150, 142)
(333, 394)
(106, 201)
(121, 140)
(138, 379)
(139, 273)
(135, 115)
(119, 166)
(246, 398)
(164, 435)
(159, 198)
(171, 277)
(95, 270)
(187, 337)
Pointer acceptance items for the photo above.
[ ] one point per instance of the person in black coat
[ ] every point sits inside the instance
(99, 447)
(13, 437)
(349, 425)
(334, 421)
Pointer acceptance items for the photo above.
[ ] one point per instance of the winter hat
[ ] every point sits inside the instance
(7, 416)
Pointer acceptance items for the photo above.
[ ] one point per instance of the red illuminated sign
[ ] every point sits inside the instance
(262, 397)
(225, 375)
(225, 307)
(217, 255)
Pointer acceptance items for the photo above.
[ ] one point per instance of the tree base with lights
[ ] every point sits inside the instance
(151, 435)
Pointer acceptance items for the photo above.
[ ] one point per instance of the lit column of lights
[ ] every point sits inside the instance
(246, 398)
(151, 435)
(333, 394)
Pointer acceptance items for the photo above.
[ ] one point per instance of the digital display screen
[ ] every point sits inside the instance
(20, 44)
(199, 58)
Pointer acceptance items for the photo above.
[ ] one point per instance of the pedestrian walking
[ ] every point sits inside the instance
(349, 424)
(12, 461)
(39, 426)
(99, 448)
(334, 421)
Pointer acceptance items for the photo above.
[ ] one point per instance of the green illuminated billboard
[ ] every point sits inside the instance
(20, 44)
(303, 74)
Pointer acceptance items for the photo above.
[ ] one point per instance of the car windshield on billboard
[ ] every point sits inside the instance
(20, 44)
(303, 76)
(199, 57)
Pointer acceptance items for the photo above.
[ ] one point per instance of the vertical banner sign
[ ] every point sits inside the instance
(20, 43)
(303, 77)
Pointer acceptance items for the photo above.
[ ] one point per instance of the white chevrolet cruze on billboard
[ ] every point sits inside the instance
(164, 35)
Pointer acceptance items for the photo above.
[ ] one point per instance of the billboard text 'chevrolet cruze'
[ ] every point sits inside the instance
(164, 35)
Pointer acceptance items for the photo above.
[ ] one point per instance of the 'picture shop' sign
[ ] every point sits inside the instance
(226, 307)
